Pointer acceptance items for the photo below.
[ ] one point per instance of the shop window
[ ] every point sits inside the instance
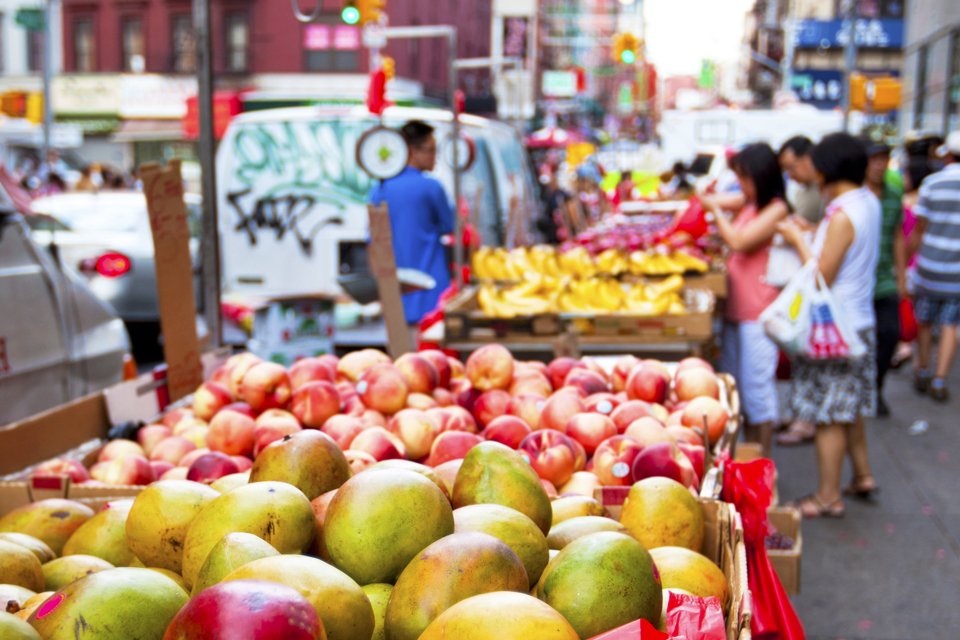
(184, 44)
(331, 60)
(238, 42)
(920, 90)
(953, 85)
(84, 46)
(132, 46)
(35, 51)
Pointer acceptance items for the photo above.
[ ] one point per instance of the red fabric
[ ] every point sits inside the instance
(748, 294)
(692, 617)
(749, 487)
(908, 321)
(377, 93)
(636, 630)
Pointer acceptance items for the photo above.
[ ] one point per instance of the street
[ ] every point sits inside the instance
(890, 569)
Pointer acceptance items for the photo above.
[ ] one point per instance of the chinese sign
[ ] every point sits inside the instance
(869, 33)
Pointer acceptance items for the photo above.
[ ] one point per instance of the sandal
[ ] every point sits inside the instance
(796, 434)
(938, 390)
(812, 506)
(862, 487)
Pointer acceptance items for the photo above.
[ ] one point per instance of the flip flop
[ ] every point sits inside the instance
(862, 487)
(794, 436)
(812, 507)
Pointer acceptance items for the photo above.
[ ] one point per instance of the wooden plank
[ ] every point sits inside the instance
(383, 265)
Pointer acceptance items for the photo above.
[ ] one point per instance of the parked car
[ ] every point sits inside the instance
(106, 237)
(58, 341)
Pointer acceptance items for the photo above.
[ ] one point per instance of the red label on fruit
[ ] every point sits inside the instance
(49, 605)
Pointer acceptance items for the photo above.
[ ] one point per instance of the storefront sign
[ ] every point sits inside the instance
(877, 33)
(226, 105)
(822, 88)
(559, 84)
(87, 95)
(155, 97)
(515, 36)
(316, 37)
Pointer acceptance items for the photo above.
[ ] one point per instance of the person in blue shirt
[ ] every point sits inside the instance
(420, 215)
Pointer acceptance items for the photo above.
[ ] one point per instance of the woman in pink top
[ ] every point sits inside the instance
(747, 351)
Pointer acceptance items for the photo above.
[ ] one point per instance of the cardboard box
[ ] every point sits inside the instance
(786, 562)
(722, 543)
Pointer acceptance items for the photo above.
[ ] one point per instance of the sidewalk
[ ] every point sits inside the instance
(889, 570)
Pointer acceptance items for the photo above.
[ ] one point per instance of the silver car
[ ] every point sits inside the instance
(106, 237)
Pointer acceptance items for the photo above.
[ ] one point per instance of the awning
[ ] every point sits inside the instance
(148, 131)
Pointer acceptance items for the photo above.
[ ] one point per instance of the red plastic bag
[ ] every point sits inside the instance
(908, 321)
(749, 487)
(693, 221)
(636, 630)
(694, 617)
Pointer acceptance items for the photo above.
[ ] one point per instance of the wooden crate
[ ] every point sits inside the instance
(696, 324)
(464, 320)
(786, 562)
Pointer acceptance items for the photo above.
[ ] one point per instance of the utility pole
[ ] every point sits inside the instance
(849, 55)
(48, 36)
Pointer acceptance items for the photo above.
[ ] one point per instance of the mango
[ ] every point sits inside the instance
(513, 528)
(493, 473)
(18, 566)
(117, 604)
(309, 460)
(275, 511)
(37, 546)
(176, 577)
(661, 512)
(232, 552)
(32, 604)
(60, 572)
(568, 507)
(379, 520)
(448, 571)
(230, 482)
(601, 581)
(343, 608)
(378, 594)
(427, 472)
(104, 535)
(13, 597)
(501, 615)
(569, 530)
(13, 628)
(157, 523)
(681, 568)
(52, 521)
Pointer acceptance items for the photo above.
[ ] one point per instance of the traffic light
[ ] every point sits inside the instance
(350, 14)
(625, 46)
(858, 92)
(885, 94)
(389, 67)
(371, 10)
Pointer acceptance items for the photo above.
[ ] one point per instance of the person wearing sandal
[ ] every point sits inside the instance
(747, 351)
(836, 395)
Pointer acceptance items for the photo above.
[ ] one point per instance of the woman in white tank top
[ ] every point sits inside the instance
(836, 395)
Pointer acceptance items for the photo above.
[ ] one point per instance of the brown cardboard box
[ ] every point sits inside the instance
(722, 543)
(786, 562)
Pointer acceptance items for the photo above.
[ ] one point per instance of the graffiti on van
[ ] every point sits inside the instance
(295, 179)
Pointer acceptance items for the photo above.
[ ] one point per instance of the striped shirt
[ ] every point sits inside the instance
(938, 264)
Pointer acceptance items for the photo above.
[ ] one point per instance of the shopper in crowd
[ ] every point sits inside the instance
(553, 219)
(747, 351)
(803, 193)
(891, 280)
(836, 395)
(937, 288)
(420, 215)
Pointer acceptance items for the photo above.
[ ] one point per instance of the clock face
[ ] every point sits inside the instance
(382, 153)
(466, 151)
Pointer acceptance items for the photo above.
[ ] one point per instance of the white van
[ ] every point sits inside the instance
(292, 197)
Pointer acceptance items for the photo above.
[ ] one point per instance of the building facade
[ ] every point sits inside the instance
(931, 67)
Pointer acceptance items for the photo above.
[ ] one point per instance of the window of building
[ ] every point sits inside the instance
(35, 51)
(238, 42)
(953, 84)
(920, 90)
(132, 50)
(332, 60)
(184, 45)
(84, 46)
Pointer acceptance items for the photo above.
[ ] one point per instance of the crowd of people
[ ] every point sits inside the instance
(885, 241)
(56, 176)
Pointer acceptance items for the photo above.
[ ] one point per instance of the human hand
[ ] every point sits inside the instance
(791, 230)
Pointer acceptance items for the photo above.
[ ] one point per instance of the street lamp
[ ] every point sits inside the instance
(350, 14)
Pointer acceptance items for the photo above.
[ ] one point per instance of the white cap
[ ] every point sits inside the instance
(951, 146)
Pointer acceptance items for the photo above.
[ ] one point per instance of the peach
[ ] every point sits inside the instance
(150, 435)
(559, 408)
(648, 384)
(443, 397)
(648, 431)
(705, 409)
(241, 407)
(490, 405)
(173, 449)
(237, 367)
(418, 372)
(621, 371)
(74, 469)
(490, 367)
(188, 459)
(382, 388)
(171, 418)
(209, 398)
(379, 443)
(441, 364)
(131, 469)
(590, 429)
(231, 432)
(551, 454)
(447, 473)
(508, 430)
(532, 383)
(416, 429)
(581, 483)
(579, 456)
(696, 382)
(197, 435)
(265, 385)
(692, 363)
(221, 375)
(664, 459)
(189, 423)
(549, 488)
(314, 403)
(467, 396)
(347, 391)
(675, 419)
(559, 368)
(451, 445)
(118, 449)
(353, 407)
(421, 401)
(613, 460)
(527, 407)
(343, 429)
(311, 370)
(454, 419)
(587, 381)
(696, 454)
(359, 460)
(160, 467)
(271, 425)
(210, 467)
(177, 473)
(656, 365)
(602, 403)
(683, 435)
(243, 463)
(372, 418)
(353, 365)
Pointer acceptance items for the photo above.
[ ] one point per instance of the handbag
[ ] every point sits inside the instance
(908, 321)
(783, 263)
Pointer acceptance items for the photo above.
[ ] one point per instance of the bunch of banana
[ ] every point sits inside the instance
(495, 264)
(613, 262)
(578, 262)
(529, 298)
(654, 263)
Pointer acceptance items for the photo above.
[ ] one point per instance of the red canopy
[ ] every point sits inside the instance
(552, 138)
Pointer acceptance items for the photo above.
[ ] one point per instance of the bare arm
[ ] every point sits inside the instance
(916, 236)
(840, 234)
(725, 201)
(757, 233)
(900, 260)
